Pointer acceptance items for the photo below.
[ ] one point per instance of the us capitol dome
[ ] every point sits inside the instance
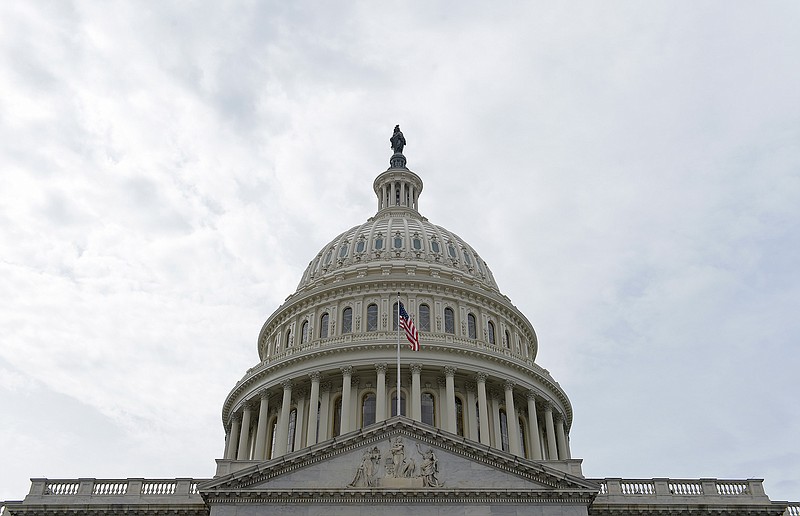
(328, 353)
(323, 424)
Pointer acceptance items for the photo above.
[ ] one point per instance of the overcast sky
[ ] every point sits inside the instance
(629, 170)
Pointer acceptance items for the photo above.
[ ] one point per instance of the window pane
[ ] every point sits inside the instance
(292, 427)
(360, 246)
(398, 242)
(449, 321)
(394, 317)
(347, 320)
(435, 246)
(471, 330)
(424, 318)
(379, 243)
(372, 318)
(323, 326)
(368, 410)
(304, 335)
(428, 408)
(491, 332)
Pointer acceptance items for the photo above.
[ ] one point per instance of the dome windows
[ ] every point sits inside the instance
(328, 257)
(372, 317)
(490, 330)
(361, 245)
(416, 242)
(347, 320)
(449, 321)
(368, 409)
(398, 241)
(451, 250)
(435, 248)
(378, 244)
(428, 406)
(323, 326)
(343, 250)
(424, 318)
(467, 258)
(472, 331)
(304, 333)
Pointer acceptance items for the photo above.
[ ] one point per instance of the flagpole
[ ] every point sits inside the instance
(398, 353)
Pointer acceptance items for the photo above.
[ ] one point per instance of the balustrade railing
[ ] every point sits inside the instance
(91, 487)
(660, 487)
(792, 510)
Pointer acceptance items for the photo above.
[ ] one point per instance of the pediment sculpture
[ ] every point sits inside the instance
(395, 467)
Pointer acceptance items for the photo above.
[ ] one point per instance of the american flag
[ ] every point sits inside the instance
(408, 325)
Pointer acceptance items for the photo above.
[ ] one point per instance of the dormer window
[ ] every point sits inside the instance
(467, 258)
(379, 242)
(416, 243)
(328, 257)
(451, 250)
(435, 246)
(398, 241)
(360, 246)
(343, 250)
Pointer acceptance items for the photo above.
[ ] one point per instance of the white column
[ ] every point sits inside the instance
(533, 427)
(324, 411)
(355, 401)
(449, 374)
(561, 439)
(282, 432)
(552, 449)
(300, 396)
(346, 390)
(483, 408)
(261, 429)
(380, 395)
(416, 406)
(233, 437)
(313, 406)
(472, 417)
(511, 420)
(244, 434)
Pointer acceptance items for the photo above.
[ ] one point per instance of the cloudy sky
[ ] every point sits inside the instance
(629, 170)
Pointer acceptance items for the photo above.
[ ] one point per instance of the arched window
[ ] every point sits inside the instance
(372, 317)
(292, 429)
(304, 333)
(394, 317)
(504, 429)
(507, 343)
(428, 408)
(449, 321)
(459, 416)
(424, 318)
(402, 403)
(337, 417)
(368, 409)
(323, 326)
(491, 332)
(347, 320)
(478, 420)
(288, 338)
(378, 245)
(472, 330)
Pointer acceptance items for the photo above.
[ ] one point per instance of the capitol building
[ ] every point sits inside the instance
(339, 416)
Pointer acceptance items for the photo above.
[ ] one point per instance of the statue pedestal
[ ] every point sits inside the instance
(401, 483)
(397, 161)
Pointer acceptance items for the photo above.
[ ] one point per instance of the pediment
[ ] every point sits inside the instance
(399, 456)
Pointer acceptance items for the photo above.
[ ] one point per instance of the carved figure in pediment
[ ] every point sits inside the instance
(429, 468)
(366, 475)
(401, 466)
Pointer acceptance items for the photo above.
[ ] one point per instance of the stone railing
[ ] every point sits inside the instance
(45, 490)
(682, 492)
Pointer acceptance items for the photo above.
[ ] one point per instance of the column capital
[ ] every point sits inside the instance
(531, 395)
(481, 377)
(287, 385)
(547, 406)
(300, 393)
(509, 385)
(440, 381)
(381, 368)
(324, 386)
(495, 394)
(347, 370)
(449, 371)
(416, 368)
(471, 387)
(315, 376)
(236, 418)
(263, 394)
(355, 381)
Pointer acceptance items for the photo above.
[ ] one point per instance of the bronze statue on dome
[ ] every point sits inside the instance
(397, 140)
